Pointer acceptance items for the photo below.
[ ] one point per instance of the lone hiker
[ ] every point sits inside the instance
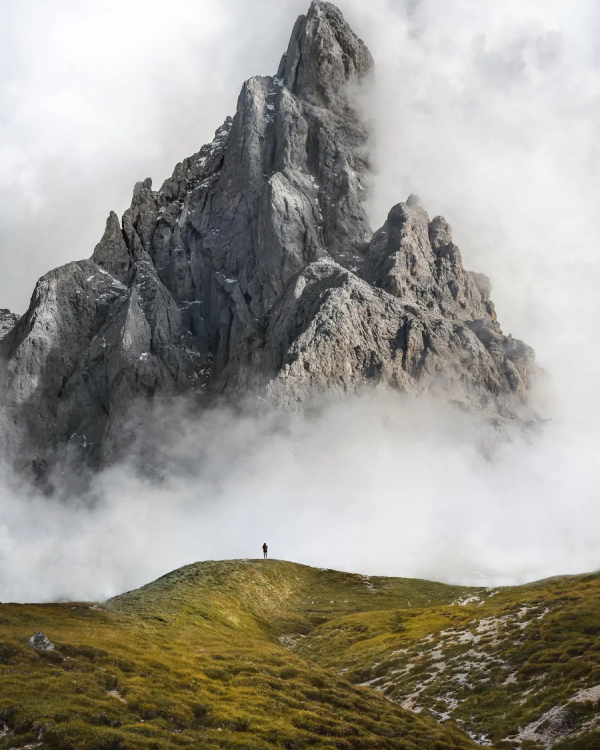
(265, 550)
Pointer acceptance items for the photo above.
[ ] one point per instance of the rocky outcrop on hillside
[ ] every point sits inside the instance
(254, 269)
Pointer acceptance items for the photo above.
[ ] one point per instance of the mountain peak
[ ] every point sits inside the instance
(323, 55)
(254, 270)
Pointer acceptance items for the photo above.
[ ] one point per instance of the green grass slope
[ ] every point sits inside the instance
(195, 660)
(253, 654)
(515, 666)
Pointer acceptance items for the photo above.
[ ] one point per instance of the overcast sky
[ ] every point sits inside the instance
(490, 111)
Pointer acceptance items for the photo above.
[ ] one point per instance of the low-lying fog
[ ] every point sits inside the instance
(378, 485)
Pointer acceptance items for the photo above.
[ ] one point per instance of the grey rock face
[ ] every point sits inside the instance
(111, 252)
(87, 347)
(332, 331)
(254, 267)
(8, 321)
(40, 643)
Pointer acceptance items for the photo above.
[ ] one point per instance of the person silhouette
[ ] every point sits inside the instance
(265, 550)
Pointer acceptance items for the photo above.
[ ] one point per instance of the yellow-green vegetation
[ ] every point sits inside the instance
(194, 660)
(249, 654)
(515, 666)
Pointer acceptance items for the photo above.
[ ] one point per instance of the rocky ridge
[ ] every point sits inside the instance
(254, 269)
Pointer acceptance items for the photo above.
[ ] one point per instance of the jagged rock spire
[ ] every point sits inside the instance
(111, 252)
(254, 270)
(322, 56)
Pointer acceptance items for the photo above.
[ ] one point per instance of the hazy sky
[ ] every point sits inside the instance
(490, 111)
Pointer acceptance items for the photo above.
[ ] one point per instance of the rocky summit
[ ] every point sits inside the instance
(254, 270)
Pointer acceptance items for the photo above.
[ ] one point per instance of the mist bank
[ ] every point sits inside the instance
(380, 484)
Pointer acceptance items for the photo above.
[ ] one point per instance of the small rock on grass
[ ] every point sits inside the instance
(40, 643)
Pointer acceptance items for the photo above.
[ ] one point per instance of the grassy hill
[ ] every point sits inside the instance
(515, 666)
(254, 654)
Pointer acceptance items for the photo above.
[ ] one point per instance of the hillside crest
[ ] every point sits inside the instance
(253, 653)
